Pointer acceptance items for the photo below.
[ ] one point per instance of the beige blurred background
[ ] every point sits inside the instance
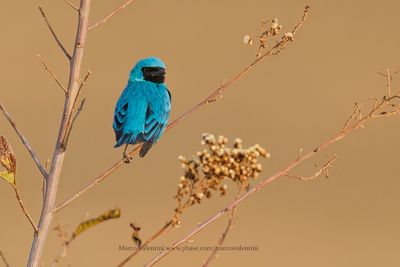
(298, 99)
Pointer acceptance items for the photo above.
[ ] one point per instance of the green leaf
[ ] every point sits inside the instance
(8, 176)
(111, 214)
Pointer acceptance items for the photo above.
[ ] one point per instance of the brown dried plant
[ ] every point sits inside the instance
(207, 174)
(212, 168)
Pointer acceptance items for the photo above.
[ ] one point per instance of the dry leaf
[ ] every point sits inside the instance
(8, 161)
(111, 214)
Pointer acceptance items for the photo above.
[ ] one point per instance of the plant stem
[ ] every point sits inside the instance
(59, 153)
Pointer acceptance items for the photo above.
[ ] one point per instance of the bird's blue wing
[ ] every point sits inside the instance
(157, 115)
(130, 114)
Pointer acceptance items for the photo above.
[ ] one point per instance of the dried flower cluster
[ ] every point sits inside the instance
(207, 172)
(268, 28)
(272, 28)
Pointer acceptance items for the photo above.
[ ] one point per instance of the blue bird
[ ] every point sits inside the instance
(142, 111)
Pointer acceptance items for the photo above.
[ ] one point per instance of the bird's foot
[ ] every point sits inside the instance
(127, 158)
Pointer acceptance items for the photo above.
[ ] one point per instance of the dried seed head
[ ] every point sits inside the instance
(210, 168)
(289, 36)
(248, 40)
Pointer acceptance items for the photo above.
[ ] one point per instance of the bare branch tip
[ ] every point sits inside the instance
(111, 14)
(53, 33)
(72, 5)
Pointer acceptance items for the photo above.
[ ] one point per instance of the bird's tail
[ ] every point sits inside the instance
(145, 148)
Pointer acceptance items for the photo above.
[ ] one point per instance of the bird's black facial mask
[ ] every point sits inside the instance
(154, 74)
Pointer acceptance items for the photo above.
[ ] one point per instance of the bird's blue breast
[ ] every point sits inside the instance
(141, 113)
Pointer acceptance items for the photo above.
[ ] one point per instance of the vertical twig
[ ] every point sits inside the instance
(59, 152)
(388, 77)
(388, 82)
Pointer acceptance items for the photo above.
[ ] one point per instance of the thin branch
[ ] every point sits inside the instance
(324, 169)
(356, 112)
(228, 227)
(388, 77)
(392, 113)
(388, 82)
(154, 236)
(72, 5)
(82, 83)
(24, 141)
(78, 111)
(94, 182)
(72, 119)
(24, 210)
(80, 108)
(54, 34)
(216, 94)
(46, 67)
(112, 13)
(4, 259)
(284, 172)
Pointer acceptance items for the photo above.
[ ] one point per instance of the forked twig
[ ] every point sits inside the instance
(82, 83)
(112, 13)
(54, 34)
(214, 95)
(24, 141)
(324, 169)
(72, 119)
